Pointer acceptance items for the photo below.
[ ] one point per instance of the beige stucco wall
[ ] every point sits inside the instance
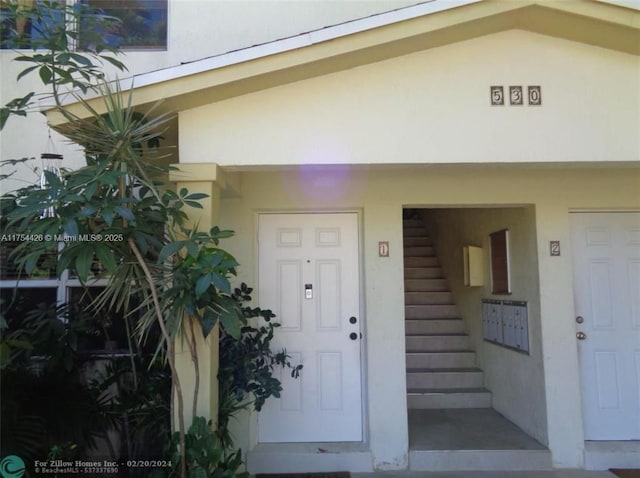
(380, 194)
(433, 107)
(516, 380)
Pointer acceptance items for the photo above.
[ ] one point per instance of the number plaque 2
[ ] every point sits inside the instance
(515, 96)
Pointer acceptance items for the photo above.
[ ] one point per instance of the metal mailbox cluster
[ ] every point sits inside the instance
(506, 323)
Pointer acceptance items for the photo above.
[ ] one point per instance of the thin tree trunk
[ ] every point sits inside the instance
(196, 366)
(170, 356)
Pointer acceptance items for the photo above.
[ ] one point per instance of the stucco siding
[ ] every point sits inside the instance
(434, 107)
(380, 194)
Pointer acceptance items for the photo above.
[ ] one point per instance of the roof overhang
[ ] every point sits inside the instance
(374, 39)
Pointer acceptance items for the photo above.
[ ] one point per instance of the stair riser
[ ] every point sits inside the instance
(426, 285)
(415, 221)
(424, 326)
(431, 325)
(418, 251)
(417, 241)
(446, 380)
(452, 400)
(474, 461)
(436, 343)
(421, 262)
(441, 360)
(423, 273)
(430, 312)
(413, 232)
(428, 298)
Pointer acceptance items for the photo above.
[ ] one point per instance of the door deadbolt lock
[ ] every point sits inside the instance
(581, 335)
(579, 319)
(352, 320)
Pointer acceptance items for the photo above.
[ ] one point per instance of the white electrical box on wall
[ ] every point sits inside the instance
(473, 266)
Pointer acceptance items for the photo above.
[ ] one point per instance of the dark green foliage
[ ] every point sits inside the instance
(206, 455)
(139, 406)
(247, 364)
(46, 400)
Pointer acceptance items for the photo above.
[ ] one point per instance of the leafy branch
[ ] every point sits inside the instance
(53, 31)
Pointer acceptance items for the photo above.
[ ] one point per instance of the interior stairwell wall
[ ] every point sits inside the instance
(516, 380)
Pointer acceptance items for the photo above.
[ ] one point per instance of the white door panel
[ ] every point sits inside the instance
(606, 258)
(309, 277)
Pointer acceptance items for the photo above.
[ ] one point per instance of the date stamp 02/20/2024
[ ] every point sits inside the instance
(13, 466)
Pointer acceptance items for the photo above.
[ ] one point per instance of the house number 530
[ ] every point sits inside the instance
(516, 95)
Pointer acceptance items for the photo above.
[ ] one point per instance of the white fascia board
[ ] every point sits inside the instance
(298, 41)
(634, 4)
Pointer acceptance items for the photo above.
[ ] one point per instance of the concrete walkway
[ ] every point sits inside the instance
(487, 474)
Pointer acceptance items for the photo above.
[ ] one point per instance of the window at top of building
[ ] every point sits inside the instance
(121, 24)
(22, 28)
(142, 23)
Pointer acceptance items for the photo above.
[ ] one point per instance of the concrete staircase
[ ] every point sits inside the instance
(441, 371)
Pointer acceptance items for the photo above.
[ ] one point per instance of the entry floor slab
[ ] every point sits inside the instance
(466, 429)
(471, 439)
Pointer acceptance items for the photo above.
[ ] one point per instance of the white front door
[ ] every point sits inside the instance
(309, 276)
(606, 274)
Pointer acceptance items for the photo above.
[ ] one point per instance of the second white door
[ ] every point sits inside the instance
(606, 265)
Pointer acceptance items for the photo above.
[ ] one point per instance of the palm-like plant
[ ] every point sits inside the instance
(148, 250)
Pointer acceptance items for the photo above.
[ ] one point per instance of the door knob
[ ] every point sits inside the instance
(581, 335)
(353, 336)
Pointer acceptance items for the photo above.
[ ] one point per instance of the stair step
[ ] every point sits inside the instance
(426, 285)
(444, 379)
(441, 359)
(428, 298)
(422, 273)
(413, 222)
(441, 371)
(433, 343)
(414, 261)
(438, 311)
(419, 251)
(481, 462)
(433, 326)
(415, 241)
(421, 398)
(414, 231)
